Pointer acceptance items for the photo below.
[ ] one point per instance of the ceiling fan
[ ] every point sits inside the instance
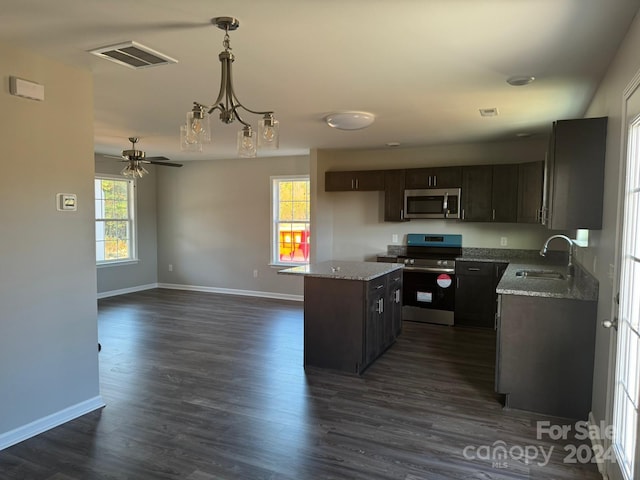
(136, 158)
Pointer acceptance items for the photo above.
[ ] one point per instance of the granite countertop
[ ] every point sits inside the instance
(343, 270)
(582, 286)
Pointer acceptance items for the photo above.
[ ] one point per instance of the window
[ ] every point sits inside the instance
(291, 214)
(115, 227)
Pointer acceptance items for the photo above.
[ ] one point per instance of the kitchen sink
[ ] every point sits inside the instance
(546, 274)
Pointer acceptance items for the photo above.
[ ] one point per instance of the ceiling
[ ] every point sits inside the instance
(424, 67)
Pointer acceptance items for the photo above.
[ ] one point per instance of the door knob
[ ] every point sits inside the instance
(610, 323)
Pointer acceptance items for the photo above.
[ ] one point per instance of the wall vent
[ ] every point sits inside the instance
(133, 55)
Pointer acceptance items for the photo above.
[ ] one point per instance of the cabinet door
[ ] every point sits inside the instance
(369, 180)
(447, 177)
(504, 194)
(374, 322)
(394, 196)
(475, 294)
(338, 181)
(530, 186)
(365, 180)
(476, 193)
(434, 177)
(393, 320)
(577, 181)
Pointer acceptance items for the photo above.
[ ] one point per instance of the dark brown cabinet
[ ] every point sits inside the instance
(436, 177)
(394, 195)
(476, 193)
(476, 298)
(544, 354)
(490, 193)
(575, 174)
(530, 189)
(363, 180)
(350, 323)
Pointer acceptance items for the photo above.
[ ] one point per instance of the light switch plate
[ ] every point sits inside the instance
(67, 202)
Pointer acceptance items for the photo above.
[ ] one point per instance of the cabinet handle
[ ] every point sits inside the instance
(463, 214)
(473, 269)
(429, 180)
(352, 184)
(402, 214)
(397, 299)
(457, 282)
(380, 308)
(379, 286)
(493, 214)
(435, 181)
(356, 184)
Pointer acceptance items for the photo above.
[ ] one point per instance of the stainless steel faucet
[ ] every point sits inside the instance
(545, 247)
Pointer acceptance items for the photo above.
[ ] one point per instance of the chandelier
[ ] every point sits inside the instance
(197, 130)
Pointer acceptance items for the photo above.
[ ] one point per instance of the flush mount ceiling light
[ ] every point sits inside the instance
(197, 129)
(350, 120)
(520, 80)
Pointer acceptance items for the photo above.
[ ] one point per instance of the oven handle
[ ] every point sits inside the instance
(430, 269)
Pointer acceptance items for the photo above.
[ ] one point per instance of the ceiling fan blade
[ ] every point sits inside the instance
(156, 158)
(118, 157)
(167, 164)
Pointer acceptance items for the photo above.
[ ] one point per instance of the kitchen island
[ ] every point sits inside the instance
(352, 312)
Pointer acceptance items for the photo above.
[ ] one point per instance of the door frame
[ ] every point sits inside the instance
(611, 470)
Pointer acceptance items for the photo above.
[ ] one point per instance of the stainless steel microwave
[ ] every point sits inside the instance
(432, 203)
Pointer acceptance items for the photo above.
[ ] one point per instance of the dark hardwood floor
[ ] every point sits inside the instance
(202, 386)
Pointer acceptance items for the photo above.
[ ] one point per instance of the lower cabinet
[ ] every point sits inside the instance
(350, 323)
(544, 354)
(476, 297)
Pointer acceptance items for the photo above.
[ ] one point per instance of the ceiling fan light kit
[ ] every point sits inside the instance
(197, 129)
(136, 159)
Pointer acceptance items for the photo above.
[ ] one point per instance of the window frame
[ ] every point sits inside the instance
(132, 220)
(274, 254)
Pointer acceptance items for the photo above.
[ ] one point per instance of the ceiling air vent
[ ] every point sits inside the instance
(133, 55)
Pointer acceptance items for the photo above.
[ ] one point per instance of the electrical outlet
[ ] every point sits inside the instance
(504, 241)
(255, 273)
(394, 238)
(171, 267)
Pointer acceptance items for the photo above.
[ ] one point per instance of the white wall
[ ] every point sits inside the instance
(608, 102)
(352, 222)
(114, 278)
(214, 224)
(48, 319)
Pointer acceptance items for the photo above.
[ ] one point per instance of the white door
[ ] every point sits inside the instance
(626, 305)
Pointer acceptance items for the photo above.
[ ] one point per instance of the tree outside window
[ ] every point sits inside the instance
(291, 212)
(114, 220)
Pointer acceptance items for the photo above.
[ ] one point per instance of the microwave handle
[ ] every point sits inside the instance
(445, 205)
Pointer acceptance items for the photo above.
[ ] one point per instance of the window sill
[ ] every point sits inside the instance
(116, 263)
(287, 265)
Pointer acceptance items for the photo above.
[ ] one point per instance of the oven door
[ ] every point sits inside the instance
(428, 296)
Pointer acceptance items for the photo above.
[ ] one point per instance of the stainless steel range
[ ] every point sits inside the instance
(429, 277)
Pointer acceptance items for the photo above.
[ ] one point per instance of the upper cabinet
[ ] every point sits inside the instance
(490, 193)
(530, 187)
(394, 195)
(575, 174)
(363, 180)
(436, 177)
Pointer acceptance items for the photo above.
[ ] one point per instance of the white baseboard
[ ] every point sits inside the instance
(597, 445)
(50, 421)
(124, 291)
(233, 291)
